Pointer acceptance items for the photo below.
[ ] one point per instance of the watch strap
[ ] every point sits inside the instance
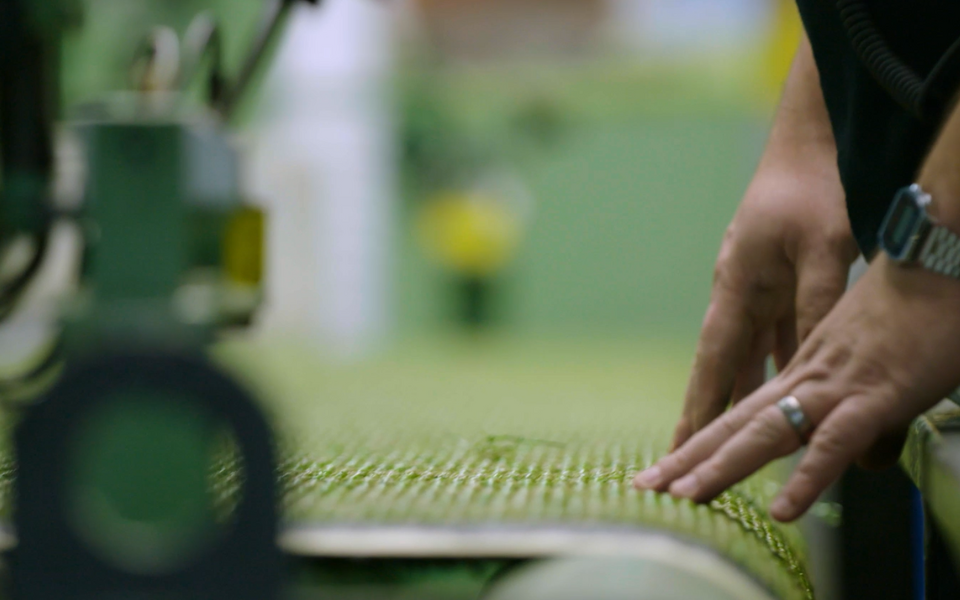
(941, 252)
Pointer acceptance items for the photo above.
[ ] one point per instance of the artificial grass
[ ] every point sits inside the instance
(492, 432)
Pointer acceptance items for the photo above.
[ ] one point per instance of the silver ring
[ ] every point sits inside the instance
(791, 409)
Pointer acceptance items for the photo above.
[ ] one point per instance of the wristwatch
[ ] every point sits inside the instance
(909, 236)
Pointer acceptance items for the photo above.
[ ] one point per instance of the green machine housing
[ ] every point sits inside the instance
(171, 244)
(111, 496)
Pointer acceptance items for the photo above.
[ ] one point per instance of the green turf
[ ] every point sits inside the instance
(480, 432)
(489, 431)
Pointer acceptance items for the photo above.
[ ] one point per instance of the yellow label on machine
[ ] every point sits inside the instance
(243, 242)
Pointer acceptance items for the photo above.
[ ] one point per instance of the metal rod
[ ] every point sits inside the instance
(271, 25)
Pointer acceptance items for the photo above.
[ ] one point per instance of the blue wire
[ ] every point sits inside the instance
(917, 543)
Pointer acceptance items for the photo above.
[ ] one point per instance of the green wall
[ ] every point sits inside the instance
(630, 214)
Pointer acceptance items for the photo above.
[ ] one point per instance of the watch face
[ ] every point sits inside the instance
(901, 225)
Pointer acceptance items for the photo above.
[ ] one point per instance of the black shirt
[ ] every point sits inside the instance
(880, 142)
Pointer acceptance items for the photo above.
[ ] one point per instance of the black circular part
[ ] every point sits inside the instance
(53, 563)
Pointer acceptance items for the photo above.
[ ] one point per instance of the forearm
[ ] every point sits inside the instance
(801, 130)
(940, 174)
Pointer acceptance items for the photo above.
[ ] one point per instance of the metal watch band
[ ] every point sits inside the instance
(941, 252)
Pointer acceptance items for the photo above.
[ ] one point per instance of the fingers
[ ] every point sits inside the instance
(707, 441)
(724, 343)
(756, 432)
(766, 437)
(843, 436)
(822, 279)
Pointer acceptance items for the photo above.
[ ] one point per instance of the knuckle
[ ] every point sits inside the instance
(820, 361)
(769, 426)
(814, 372)
(871, 373)
(839, 241)
(726, 426)
(730, 235)
(731, 286)
(807, 355)
(820, 289)
(732, 274)
(812, 311)
(771, 429)
(726, 260)
(829, 441)
(836, 357)
(709, 475)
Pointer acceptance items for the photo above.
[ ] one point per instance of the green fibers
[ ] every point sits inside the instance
(493, 431)
(497, 432)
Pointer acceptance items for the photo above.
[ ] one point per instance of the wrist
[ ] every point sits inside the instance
(802, 156)
(944, 205)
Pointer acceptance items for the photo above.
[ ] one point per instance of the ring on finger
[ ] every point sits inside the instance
(798, 420)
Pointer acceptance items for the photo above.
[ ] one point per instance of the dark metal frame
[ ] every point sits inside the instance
(932, 460)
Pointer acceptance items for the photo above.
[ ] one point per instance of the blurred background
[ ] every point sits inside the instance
(535, 168)
(522, 169)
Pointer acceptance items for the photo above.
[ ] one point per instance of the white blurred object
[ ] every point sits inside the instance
(324, 166)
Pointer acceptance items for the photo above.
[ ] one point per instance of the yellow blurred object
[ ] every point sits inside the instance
(470, 233)
(243, 247)
(785, 34)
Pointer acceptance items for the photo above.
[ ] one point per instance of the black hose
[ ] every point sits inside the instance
(900, 81)
(923, 98)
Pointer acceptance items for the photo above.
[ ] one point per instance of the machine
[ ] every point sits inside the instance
(111, 492)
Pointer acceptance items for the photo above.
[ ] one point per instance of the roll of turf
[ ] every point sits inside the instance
(494, 450)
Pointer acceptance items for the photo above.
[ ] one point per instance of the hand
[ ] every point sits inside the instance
(884, 355)
(782, 267)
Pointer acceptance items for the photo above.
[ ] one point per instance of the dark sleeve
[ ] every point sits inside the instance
(880, 144)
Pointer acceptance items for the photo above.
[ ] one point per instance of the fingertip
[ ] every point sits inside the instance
(648, 479)
(685, 487)
(787, 510)
(783, 509)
